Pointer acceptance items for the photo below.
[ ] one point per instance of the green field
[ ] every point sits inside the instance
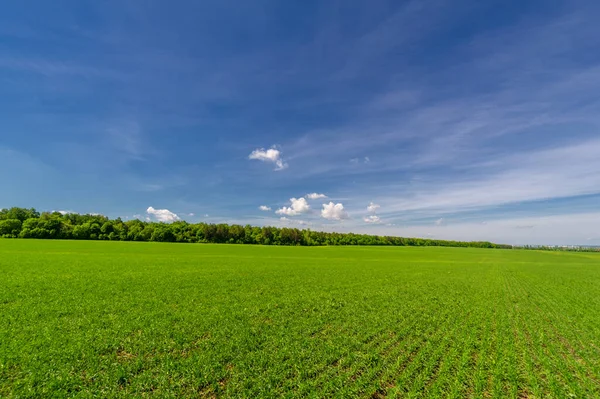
(122, 319)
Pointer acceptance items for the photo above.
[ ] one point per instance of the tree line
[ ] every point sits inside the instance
(29, 223)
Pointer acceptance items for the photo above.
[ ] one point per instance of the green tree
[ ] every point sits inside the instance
(10, 228)
(28, 223)
(20, 214)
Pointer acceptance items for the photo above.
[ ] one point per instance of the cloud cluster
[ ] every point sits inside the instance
(333, 211)
(272, 155)
(374, 219)
(264, 208)
(314, 196)
(298, 206)
(372, 207)
(162, 215)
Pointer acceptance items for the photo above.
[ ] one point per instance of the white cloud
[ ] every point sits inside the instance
(372, 219)
(191, 214)
(264, 208)
(314, 196)
(298, 206)
(65, 212)
(162, 215)
(356, 161)
(372, 207)
(333, 211)
(440, 222)
(272, 155)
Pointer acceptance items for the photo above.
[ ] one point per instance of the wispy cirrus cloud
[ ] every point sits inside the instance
(458, 123)
(127, 138)
(55, 68)
(546, 174)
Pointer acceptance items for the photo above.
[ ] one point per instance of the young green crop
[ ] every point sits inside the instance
(124, 319)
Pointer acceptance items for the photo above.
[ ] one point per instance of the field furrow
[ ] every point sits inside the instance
(122, 319)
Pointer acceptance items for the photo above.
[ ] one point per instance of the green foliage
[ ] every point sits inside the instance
(98, 227)
(10, 228)
(21, 214)
(125, 319)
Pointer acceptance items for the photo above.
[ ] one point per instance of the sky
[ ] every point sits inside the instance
(442, 119)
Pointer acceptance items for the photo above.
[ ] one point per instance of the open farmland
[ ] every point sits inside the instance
(122, 319)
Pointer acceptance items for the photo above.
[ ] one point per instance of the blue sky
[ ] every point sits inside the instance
(453, 119)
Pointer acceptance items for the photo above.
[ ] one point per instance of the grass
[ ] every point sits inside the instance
(121, 319)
